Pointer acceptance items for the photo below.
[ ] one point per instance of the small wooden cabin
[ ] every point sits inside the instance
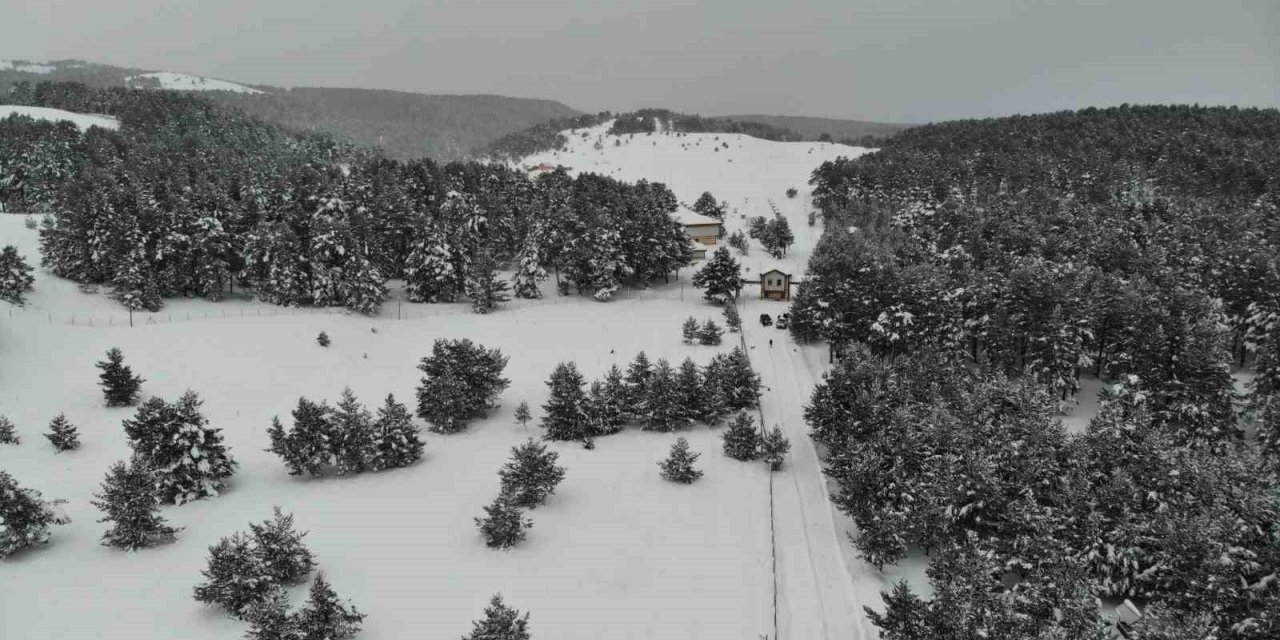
(703, 230)
(775, 285)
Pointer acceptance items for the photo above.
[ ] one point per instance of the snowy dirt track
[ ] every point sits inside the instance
(617, 552)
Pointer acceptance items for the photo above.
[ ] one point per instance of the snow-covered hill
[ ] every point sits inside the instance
(28, 67)
(184, 82)
(81, 120)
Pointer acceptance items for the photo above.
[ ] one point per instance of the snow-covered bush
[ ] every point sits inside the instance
(504, 524)
(62, 434)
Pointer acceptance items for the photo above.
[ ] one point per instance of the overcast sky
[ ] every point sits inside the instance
(889, 60)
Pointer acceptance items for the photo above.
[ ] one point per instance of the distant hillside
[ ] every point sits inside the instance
(811, 128)
(405, 125)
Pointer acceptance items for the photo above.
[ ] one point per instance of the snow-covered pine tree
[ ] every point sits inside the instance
(678, 467)
(279, 551)
(774, 447)
(564, 415)
(353, 427)
(128, 499)
(529, 271)
(530, 475)
(62, 434)
(307, 446)
(721, 277)
(690, 390)
(323, 339)
(325, 616)
(133, 284)
(500, 623)
(741, 440)
(25, 516)
(731, 318)
(710, 333)
(504, 524)
(461, 380)
(610, 408)
(8, 433)
(361, 285)
(119, 385)
(269, 618)
(189, 457)
(234, 578)
(522, 414)
(396, 440)
(484, 287)
(429, 272)
(689, 330)
(637, 379)
(740, 382)
(708, 206)
(662, 410)
(15, 276)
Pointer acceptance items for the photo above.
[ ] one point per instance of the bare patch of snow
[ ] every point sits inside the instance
(81, 120)
(184, 82)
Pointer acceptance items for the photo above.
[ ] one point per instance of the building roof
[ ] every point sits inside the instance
(775, 270)
(688, 217)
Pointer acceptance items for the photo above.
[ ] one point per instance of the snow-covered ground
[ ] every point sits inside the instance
(184, 82)
(617, 552)
(29, 67)
(81, 120)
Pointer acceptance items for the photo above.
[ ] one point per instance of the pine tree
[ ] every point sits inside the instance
(741, 440)
(690, 391)
(564, 414)
(740, 382)
(774, 447)
(609, 409)
(721, 277)
(134, 284)
(278, 549)
(269, 618)
(637, 379)
(353, 426)
(500, 623)
(234, 578)
(323, 339)
(530, 475)
(461, 381)
(62, 434)
(129, 500)
(25, 516)
(119, 385)
(396, 442)
(710, 333)
(678, 467)
(662, 408)
(715, 406)
(504, 524)
(15, 276)
(529, 271)
(429, 272)
(522, 414)
(708, 206)
(325, 617)
(307, 446)
(731, 318)
(8, 433)
(905, 615)
(689, 330)
(484, 287)
(189, 457)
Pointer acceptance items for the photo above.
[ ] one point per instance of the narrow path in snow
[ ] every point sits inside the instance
(816, 599)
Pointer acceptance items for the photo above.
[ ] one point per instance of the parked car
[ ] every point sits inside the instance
(782, 322)
(765, 320)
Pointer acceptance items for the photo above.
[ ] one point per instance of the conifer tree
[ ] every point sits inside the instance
(134, 284)
(708, 206)
(715, 406)
(504, 524)
(689, 330)
(429, 271)
(564, 414)
(662, 409)
(522, 414)
(637, 379)
(325, 616)
(530, 475)
(62, 434)
(8, 433)
(306, 447)
(353, 428)
(269, 618)
(610, 408)
(678, 467)
(905, 614)
(278, 549)
(128, 499)
(500, 623)
(234, 578)
(710, 333)
(119, 385)
(731, 318)
(25, 516)
(15, 276)
(741, 440)
(323, 339)
(461, 381)
(188, 456)
(484, 287)
(721, 277)
(529, 271)
(396, 441)
(690, 391)
(740, 382)
(774, 447)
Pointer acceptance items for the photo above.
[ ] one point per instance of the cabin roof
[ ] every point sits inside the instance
(690, 218)
(777, 271)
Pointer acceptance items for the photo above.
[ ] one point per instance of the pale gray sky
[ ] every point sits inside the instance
(893, 60)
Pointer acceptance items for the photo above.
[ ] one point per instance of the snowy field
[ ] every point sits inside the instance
(27, 67)
(81, 120)
(617, 552)
(184, 82)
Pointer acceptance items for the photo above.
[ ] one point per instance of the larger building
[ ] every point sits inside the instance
(703, 231)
